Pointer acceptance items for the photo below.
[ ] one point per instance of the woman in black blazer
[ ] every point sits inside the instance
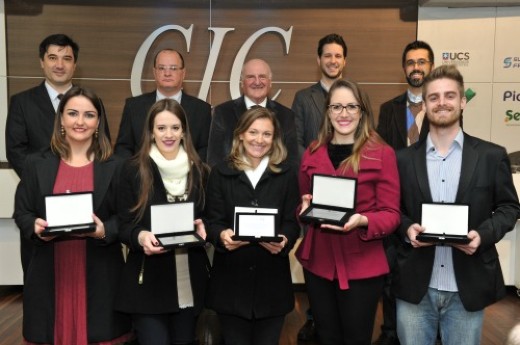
(250, 285)
(71, 282)
(162, 289)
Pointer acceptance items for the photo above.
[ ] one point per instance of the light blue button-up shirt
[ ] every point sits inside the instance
(443, 178)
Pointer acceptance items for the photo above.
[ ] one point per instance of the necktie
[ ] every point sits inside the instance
(413, 131)
(60, 96)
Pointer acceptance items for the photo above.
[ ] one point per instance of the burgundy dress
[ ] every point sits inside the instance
(70, 318)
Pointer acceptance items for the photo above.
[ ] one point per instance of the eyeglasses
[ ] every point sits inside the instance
(352, 109)
(420, 62)
(173, 68)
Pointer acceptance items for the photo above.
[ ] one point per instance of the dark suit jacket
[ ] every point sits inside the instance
(392, 123)
(308, 107)
(250, 282)
(486, 185)
(225, 118)
(104, 259)
(158, 292)
(29, 126)
(134, 118)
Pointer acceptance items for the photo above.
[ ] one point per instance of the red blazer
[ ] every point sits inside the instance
(359, 253)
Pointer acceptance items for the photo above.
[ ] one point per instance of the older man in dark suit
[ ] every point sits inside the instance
(169, 72)
(447, 285)
(255, 82)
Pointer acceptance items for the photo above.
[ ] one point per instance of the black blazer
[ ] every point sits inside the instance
(104, 256)
(133, 121)
(250, 282)
(486, 185)
(158, 292)
(29, 126)
(225, 118)
(309, 109)
(392, 123)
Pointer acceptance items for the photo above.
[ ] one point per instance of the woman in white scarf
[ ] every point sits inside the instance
(162, 289)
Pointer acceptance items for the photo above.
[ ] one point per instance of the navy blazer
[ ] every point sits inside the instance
(225, 118)
(392, 123)
(133, 121)
(487, 186)
(309, 109)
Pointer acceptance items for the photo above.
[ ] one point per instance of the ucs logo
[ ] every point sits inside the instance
(460, 56)
(512, 62)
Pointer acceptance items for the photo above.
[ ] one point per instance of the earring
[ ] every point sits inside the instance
(62, 131)
(96, 133)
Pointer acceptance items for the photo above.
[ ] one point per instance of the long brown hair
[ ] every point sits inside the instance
(277, 153)
(100, 146)
(364, 134)
(198, 170)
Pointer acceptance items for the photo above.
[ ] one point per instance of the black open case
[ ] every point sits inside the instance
(333, 200)
(69, 213)
(445, 223)
(172, 225)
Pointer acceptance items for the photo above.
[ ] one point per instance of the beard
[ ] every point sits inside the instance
(445, 121)
(415, 82)
(332, 76)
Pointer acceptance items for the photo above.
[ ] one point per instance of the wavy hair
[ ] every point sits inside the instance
(277, 153)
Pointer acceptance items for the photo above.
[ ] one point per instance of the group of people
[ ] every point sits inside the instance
(255, 152)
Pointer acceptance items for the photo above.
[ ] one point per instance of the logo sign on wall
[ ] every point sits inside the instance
(459, 59)
(512, 62)
(512, 113)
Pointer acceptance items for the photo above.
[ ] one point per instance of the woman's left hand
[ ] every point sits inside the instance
(201, 229)
(275, 247)
(355, 221)
(100, 229)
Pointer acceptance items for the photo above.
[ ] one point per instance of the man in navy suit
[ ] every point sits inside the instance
(169, 71)
(309, 103)
(441, 285)
(30, 119)
(255, 82)
(401, 123)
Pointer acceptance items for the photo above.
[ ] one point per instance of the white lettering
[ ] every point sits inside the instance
(234, 80)
(137, 67)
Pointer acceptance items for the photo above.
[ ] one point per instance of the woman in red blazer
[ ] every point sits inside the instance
(344, 265)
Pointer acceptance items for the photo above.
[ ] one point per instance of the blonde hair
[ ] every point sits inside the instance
(277, 153)
(364, 135)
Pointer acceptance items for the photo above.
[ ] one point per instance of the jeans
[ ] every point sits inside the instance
(417, 323)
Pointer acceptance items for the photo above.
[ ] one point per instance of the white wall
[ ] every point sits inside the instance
(481, 42)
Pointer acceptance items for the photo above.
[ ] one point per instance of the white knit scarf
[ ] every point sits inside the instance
(174, 174)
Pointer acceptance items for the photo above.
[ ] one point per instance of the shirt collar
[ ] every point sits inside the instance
(53, 94)
(414, 98)
(250, 103)
(459, 140)
(177, 96)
